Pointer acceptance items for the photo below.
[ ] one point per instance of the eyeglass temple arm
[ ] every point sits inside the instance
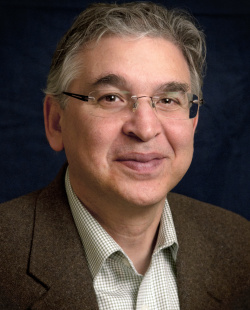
(80, 97)
(199, 101)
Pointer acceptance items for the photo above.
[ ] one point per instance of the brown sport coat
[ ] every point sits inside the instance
(43, 265)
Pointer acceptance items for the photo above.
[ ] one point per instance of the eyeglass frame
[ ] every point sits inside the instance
(135, 105)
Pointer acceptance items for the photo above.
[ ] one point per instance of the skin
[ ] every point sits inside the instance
(121, 168)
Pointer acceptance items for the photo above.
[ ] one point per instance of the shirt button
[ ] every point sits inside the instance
(145, 307)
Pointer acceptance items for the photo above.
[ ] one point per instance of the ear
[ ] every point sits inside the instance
(52, 120)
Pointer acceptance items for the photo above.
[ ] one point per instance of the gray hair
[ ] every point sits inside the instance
(135, 19)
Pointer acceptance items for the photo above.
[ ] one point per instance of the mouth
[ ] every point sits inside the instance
(142, 163)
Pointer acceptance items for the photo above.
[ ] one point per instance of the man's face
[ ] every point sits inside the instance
(133, 160)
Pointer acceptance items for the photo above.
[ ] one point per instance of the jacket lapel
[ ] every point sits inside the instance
(195, 258)
(57, 259)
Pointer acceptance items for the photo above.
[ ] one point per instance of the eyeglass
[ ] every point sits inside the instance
(174, 105)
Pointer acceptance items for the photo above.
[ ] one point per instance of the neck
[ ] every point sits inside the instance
(136, 231)
(133, 226)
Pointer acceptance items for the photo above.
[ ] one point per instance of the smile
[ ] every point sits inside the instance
(142, 163)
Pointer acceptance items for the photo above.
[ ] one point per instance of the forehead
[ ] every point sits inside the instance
(142, 63)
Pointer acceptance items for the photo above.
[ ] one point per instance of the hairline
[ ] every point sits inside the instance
(76, 61)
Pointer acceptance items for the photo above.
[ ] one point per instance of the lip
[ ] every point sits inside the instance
(142, 163)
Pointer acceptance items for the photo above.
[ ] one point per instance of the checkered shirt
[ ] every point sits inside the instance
(116, 282)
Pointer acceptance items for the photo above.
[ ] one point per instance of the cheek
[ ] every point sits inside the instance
(87, 137)
(180, 135)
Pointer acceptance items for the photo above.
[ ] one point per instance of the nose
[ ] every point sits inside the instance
(143, 122)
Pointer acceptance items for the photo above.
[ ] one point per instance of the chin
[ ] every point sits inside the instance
(144, 197)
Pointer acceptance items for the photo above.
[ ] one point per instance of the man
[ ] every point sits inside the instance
(122, 100)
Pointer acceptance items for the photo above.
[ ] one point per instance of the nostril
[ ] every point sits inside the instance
(131, 134)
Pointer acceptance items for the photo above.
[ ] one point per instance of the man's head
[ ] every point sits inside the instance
(137, 20)
(133, 157)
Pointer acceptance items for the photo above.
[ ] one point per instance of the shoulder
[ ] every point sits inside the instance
(17, 216)
(23, 207)
(20, 202)
(216, 243)
(201, 224)
(201, 212)
(198, 222)
(18, 221)
(16, 225)
(16, 231)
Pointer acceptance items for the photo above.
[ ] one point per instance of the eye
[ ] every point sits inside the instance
(110, 98)
(168, 101)
(107, 99)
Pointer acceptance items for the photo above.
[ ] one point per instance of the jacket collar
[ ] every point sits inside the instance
(57, 259)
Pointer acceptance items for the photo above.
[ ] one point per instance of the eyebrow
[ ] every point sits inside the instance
(110, 80)
(120, 82)
(174, 86)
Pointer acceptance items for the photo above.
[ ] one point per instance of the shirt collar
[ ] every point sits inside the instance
(167, 237)
(99, 245)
